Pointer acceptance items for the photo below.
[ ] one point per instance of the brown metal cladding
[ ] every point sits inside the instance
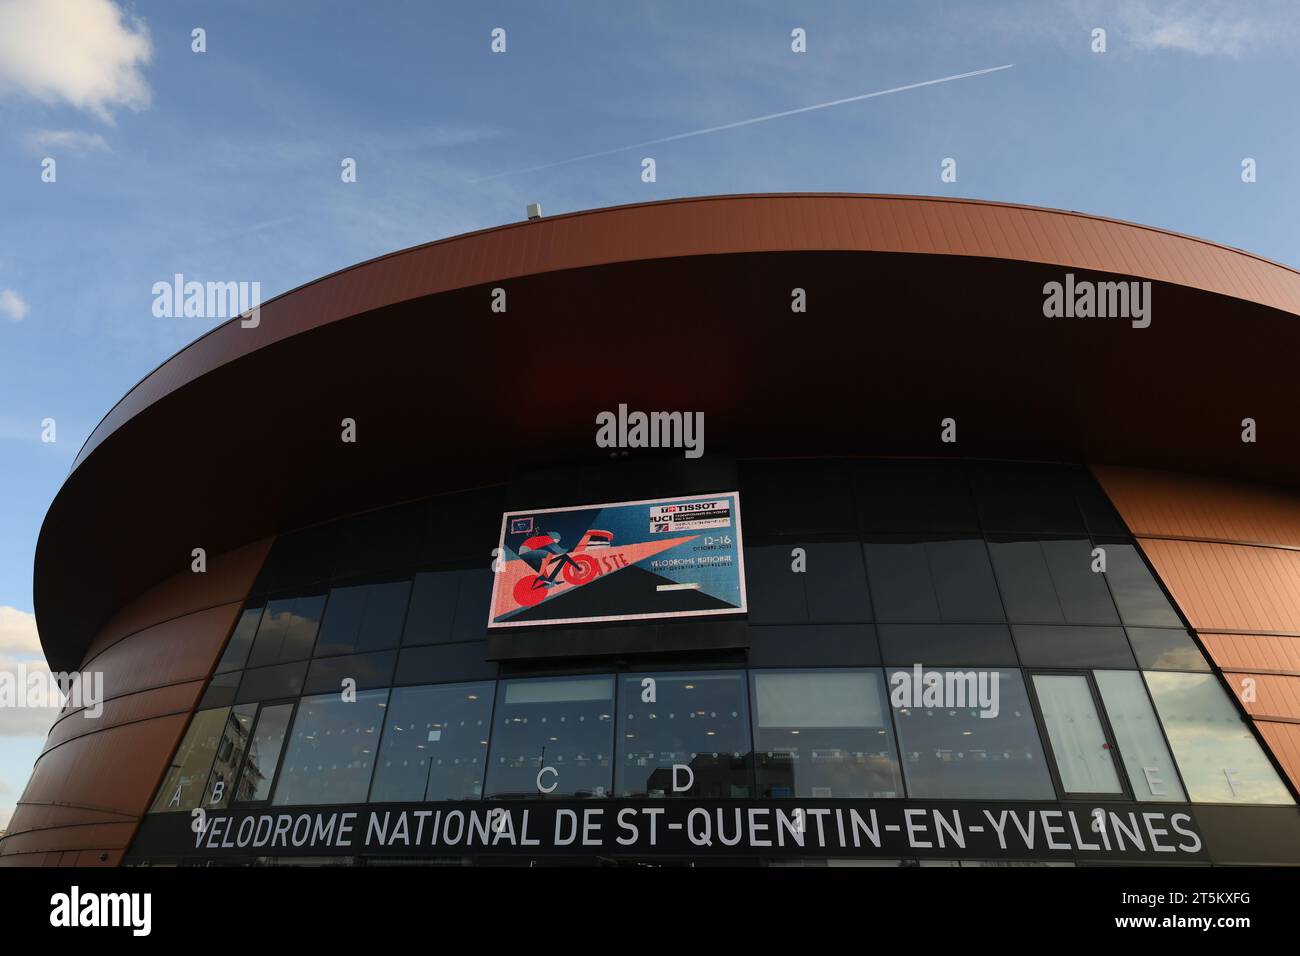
(1230, 587)
(1229, 554)
(1283, 740)
(1267, 696)
(96, 776)
(1254, 653)
(1172, 504)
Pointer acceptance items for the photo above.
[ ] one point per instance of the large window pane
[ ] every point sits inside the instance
(566, 724)
(900, 581)
(933, 581)
(1051, 582)
(435, 743)
(433, 602)
(1138, 597)
(230, 751)
(264, 753)
(954, 752)
(241, 640)
(363, 617)
(331, 751)
(700, 721)
(1166, 649)
(287, 630)
(823, 733)
(1072, 646)
(1141, 743)
(182, 787)
(1075, 733)
(1220, 759)
(971, 645)
(776, 593)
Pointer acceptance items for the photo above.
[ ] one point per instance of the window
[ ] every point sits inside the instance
(1051, 582)
(930, 581)
(832, 588)
(1219, 757)
(954, 752)
(1072, 646)
(230, 751)
(699, 721)
(1075, 733)
(1166, 649)
(268, 683)
(182, 787)
(972, 645)
(914, 496)
(287, 630)
(1022, 497)
(363, 617)
(1138, 597)
(1151, 772)
(331, 750)
(241, 640)
(433, 602)
(263, 754)
(472, 600)
(369, 671)
(553, 734)
(435, 743)
(823, 733)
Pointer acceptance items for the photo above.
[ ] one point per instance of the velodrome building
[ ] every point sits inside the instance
(772, 530)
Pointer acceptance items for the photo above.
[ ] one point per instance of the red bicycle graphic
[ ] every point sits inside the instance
(544, 555)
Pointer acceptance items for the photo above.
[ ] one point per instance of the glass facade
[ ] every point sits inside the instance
(358, 670)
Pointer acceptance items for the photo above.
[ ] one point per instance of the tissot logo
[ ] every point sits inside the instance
(76, 909)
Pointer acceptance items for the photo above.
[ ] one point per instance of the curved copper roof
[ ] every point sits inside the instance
(919, 308)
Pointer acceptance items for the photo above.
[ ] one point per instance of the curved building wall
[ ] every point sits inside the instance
(957, 565)
(1229, 553)
(93, 781)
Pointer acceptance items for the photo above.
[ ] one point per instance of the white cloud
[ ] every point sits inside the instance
(1201, 28)
(68, 140)
(12, 306)
(18, 635)
(82, 52)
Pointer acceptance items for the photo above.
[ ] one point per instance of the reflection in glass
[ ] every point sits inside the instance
(435, 743)
(1219, 757)
(287, 630)
(700, 721)
(565, 724)
(1141, 744)
(954, 752)
(364, 617)
(823, 733)
(1074, 730)
(182, 787)
(264, 753)
(331, 750)
(1138, 597)
(1166, 649)
(230, 751)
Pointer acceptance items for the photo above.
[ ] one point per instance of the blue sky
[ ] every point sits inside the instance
(225, 165)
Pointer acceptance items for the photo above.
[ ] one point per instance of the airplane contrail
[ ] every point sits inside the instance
(746, 122)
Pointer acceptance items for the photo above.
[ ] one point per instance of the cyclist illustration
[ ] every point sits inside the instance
(544, 554)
